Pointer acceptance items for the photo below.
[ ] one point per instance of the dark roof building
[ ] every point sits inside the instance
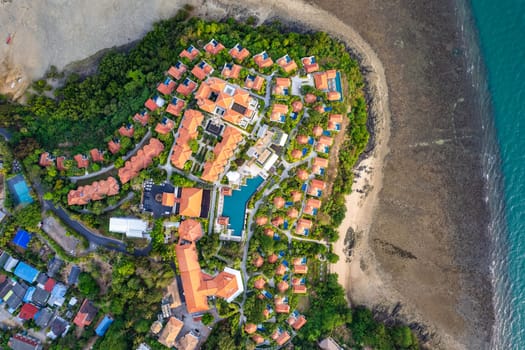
(40, 297)
(86, 314)
(73, 275)
(54, 265)
(43, 317)
(57, 327)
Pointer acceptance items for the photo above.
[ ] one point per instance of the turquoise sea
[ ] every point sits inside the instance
(500, 78)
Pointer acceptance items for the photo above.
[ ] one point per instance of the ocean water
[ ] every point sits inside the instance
(499, 76)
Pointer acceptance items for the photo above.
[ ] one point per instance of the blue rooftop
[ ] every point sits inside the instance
(103, 326)
(190, 49)
(29, 294)
(22, 239)
(167, 81)
(26, 272)
(264, 55)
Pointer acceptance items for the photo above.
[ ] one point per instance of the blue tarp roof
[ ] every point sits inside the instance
(22, 238)
(26, 272)
(103, 326)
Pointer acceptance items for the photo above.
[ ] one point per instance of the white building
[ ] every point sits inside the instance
(131, 227)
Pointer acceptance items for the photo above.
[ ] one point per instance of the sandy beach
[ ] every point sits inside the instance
(419, 237)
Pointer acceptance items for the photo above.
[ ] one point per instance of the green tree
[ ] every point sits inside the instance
(87, 285)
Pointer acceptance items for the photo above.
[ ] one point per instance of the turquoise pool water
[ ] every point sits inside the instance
(19, 189)
(338, 86)
(235, 205)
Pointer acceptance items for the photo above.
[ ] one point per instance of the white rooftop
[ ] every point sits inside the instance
(133, 228)
(238, 277)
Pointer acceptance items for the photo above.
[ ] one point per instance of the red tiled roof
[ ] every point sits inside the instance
(239, 53)
(292, 213)
(226, 191)
(151, 105)
(257, 339)
(302, 225)
(302, 174)
(165, 126)
(281, 270)
(317, 131)
(283, 286)
(310, 67)
(282, 337)
(50, 283)
(287, 64)
(190, 202)
(259, 283)
(126, 130)
(277, 221)
(300, 289)
(321, 81)
(202, 70)
(82, 161)
(186, 87)
(261, 220)
(141, 160)
(60, 163)
(269, 232)
(258, 261)
(310, 98)
(261, 61)
(96, 191)
(141, 118)
(296, 196)
(28, 312)
(190, 55)
(334, 120)
(302, 139)
(255, 84)
(297, 106)
(297, 322)
(176, 108)
(213, 47)
(190, 230)
(45, 160)
(272, 259)
(86, 314)
(114, 146)
(177, 72)
(96, 155)
(312, 204)
(166, 87)
(296, 154)
(250, 328)
(222, 151)
(333, 96)
(278, 202)
(231, 71)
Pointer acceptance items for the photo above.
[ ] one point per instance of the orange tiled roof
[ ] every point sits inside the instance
(177, 70)
(283, 286)
(187, 131)
(302, 174)
(151, 105)
(141, 160)
(283, 82)
(202, 70)
(114, 146)
(216, 94)
(222, 151)
(190, 202)
(96, 155)
(278, 110)
(231, 71)
(257, 339)
(282, 338)
(141, 118)
(126, 130)
(310, 98)
(302, 139)
(186, 87)
(261, 220)
(321, 81)
(302, 225)
(170, 332)
(277, 221)
(190, 53)
(258, 261)
(223, 220)
(176, 106)
(278, 202)
(292, 213)
(45, 160)
(333, 96)
(180, 155)
(287, 64)
(190, 230)
(86, 314)
(254, 82)
(281, 270)
(296, 196)
(318, 164)
(297, 106)
(82, 161)
(310, 65)
(297, 322)
(259, 283)
(239, 53)
(282, 308)
(226, 191)
(300, 289)
(166, 87)
(250, 328)
(263, 60)
(96, 191)
(334, 120)
(269, 232)
(213, 47)
(296, 154)
(165, 126)
(317, 131)
(312, 204)
(272, 259)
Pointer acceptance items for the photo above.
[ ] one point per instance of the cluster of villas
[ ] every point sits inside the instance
(230, 114)
(39, 296)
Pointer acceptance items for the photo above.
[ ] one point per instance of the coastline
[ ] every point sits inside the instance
(368, 278)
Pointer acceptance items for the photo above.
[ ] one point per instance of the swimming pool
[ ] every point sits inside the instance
(20, 190)
(338, 86)
(235, 205)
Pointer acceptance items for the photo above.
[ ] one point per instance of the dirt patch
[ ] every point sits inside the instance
(59, 234)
